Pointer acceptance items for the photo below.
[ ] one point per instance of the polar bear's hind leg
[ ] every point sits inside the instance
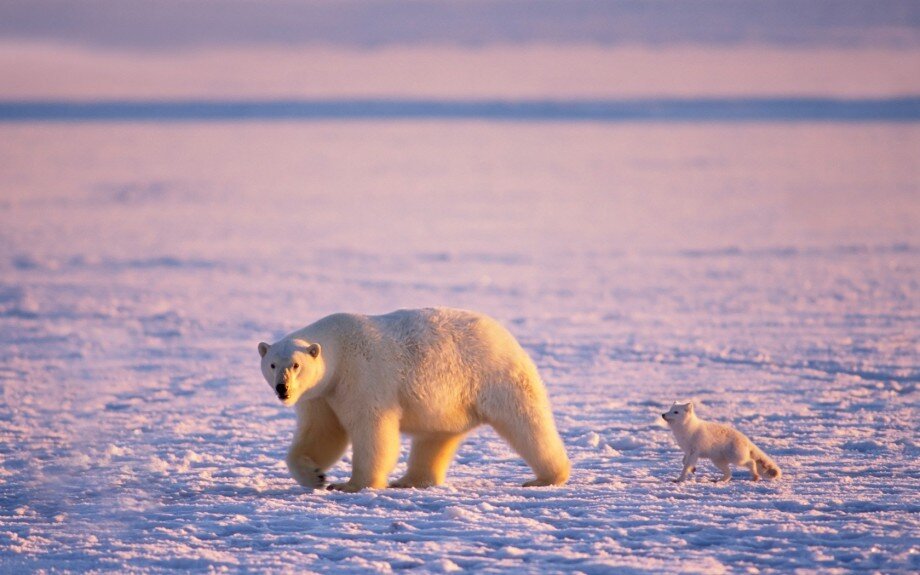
(429, 458)
(528, 426)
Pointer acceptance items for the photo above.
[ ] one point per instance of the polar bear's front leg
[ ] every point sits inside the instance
(375, 450)
(319, 442)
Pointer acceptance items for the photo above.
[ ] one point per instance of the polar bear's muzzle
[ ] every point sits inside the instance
(283, 392)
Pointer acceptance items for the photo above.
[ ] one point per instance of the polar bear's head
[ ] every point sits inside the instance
(292, 367)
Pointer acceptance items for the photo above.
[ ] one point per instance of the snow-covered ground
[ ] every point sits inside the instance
(769, 271)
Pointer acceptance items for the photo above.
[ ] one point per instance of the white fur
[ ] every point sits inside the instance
(720, 443)
(434, 374)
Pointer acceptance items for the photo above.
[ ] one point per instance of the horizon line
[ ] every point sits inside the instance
(690, 109)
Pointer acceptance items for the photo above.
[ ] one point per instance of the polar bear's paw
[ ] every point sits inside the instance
(319, 477)
(409, 482)
(346, 487)
(540, 483)
(306, 473)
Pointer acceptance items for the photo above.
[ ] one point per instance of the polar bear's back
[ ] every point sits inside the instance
(427, 342)
(451, 362)
(444, 339)
(473, 331)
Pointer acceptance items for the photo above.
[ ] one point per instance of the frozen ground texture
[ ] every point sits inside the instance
(770, 272)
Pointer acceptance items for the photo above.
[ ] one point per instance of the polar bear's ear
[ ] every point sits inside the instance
(314, 350)
(263, 348)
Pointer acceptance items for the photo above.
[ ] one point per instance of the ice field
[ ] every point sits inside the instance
(770, 271)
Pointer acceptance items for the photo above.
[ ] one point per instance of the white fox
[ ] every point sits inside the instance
(720, 443)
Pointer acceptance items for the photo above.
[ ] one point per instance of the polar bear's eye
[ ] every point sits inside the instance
(674, 412)
(273, 367)
(296, 366)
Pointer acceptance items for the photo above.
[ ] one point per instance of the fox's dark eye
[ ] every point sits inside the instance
(296, 366)
(675, 413)
(273, 367)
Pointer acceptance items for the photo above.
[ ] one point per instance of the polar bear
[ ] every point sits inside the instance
(433, 374)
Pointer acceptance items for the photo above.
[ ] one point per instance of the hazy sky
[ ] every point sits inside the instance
(368, 23)
(510, 49)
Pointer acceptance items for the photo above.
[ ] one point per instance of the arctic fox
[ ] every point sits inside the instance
(720, 443)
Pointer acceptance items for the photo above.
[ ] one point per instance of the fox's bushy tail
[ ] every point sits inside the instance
(765, 465)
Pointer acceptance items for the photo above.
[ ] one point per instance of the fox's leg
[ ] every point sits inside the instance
(689, 466)
(726, 470)
(752, 465)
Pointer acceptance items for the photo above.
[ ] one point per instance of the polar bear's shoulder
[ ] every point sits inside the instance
(403, 325)
(430, 314)
(436, 318)
(332, 326)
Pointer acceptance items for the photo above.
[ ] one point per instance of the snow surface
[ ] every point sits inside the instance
(770, 271)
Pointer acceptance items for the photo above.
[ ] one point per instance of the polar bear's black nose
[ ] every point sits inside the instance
(281, 389)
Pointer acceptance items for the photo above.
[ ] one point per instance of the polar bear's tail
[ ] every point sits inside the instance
(765, 465)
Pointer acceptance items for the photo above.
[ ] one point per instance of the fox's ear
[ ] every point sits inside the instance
(263, 348)
(690, 407)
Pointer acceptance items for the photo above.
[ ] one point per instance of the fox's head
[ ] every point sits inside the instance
(679, 413)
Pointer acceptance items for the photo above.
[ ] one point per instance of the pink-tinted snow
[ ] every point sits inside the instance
(769, 271)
